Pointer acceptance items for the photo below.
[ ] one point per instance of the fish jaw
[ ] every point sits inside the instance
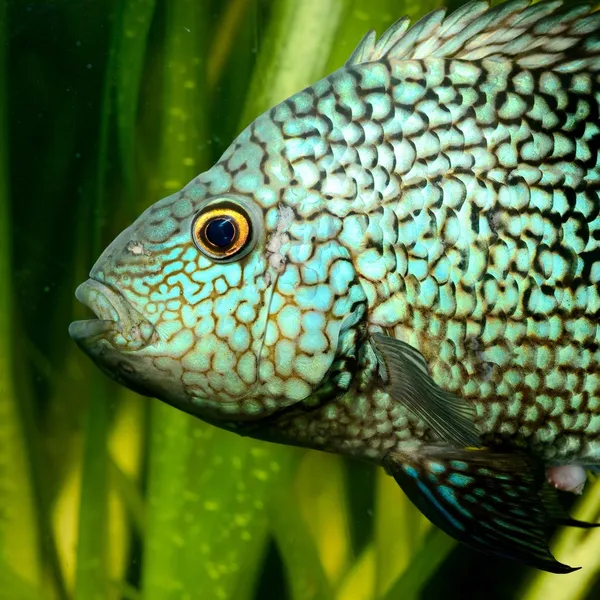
(136, 370)
(117, 322)
(118, 342)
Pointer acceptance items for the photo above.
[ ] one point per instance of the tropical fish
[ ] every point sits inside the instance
(400, 263)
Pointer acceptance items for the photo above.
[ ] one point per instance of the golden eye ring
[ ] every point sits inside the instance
(222, 232)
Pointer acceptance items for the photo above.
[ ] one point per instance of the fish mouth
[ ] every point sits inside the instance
(117, 322)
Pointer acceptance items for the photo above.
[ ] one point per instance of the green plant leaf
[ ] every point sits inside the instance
(399, 532)
(424, 563)
(359, 582)
(19, 535)
(92, 570)
(577, 547)
(206, 507)
(134, 25)
(323, 507)
(294, 51)
(92, 579)
(297, 541)
(17, 587)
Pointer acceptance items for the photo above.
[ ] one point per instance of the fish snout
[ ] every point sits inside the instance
(117, 322)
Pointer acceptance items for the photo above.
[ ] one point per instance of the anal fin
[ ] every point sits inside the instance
(498, 503)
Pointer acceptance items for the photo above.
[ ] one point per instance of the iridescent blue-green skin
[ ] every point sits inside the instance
(446, 197)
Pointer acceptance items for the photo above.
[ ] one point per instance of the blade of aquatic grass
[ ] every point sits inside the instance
(58, 438)
(127, 509)
(133, 501)
(126, 446)
(127, 591)
(360, 491)
(424, 563)
(78, 510)
(19, 534)
(294, 526)
(82, 488)
(16, 587)
(207, 493)
(225, 38)
(58, 453)
(39, 472)
(294, 53)
(577, 547)
(185, 121)
(91, 581)
(399, 532)
(321, 496)
(92, 569)
(129, 431)
(247, 578)
(359, 582)
(133, 37)
(231, 61)
(65, 518)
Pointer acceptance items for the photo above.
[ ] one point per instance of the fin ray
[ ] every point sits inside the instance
(547, 34)
(495, 502)
(410, 384)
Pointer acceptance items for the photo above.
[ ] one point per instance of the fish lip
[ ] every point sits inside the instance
(117, 322)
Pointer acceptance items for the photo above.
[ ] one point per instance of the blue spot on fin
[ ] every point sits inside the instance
(499, 503)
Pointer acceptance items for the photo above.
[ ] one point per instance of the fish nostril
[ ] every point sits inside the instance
(135, 248)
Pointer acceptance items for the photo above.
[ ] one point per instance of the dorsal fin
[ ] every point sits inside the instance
(548, 34)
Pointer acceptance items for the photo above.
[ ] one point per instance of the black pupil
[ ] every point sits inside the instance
(220, 232)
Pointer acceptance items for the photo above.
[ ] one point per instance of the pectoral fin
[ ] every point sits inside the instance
(410, 384)
(498, 503)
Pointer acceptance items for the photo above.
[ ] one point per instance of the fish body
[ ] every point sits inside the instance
(399, 263)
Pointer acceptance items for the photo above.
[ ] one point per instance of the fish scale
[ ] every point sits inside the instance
(407, 271)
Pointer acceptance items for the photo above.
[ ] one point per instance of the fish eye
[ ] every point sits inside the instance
(223, 231)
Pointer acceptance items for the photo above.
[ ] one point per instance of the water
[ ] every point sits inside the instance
(106, 107)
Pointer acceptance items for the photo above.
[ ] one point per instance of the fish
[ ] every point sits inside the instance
(400, 264)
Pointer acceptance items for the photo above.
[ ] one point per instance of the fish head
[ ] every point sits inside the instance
(223, 304)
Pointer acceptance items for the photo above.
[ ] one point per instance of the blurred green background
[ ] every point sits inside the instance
(107, 106)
